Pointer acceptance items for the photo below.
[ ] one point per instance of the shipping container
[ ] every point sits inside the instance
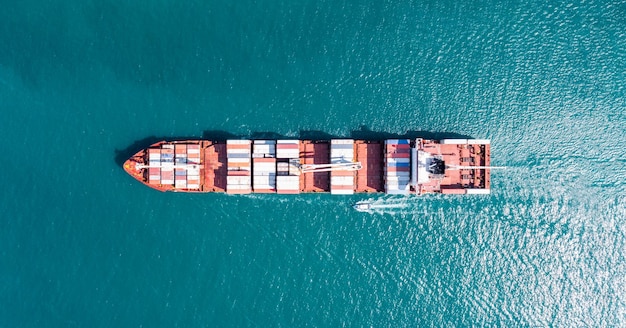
(233, 142)
(288, 184)
(287, 148)
(193, 171)
(238, 180)
(264, 183)
(264, 168)
(181, 159)
(154, 171)
(238, 152)
(180, 149)
(264, 149)
(154, 155)
(342, 181)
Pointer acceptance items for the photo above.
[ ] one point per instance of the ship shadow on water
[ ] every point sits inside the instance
(363, 133)
(121, 155)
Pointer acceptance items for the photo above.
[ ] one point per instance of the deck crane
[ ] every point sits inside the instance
(347, 166)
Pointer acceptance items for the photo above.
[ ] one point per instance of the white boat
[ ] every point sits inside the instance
(363, 206)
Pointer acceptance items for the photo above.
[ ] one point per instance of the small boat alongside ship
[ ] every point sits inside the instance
(363, 206)
(338, 166)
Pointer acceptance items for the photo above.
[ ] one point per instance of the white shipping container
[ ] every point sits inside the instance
(341, 181)
(265, 149)
(396, 187)
(192, 172)
(398, 160)
(237, 151)
(264, 167)
(453, 141)
(287, 153)
(402, 179)
(264, 179)
(293, 142)
(237, 142)
(288, 182)
(238, 179)
(399, 185)
(341, 142)
(237, 187)
(399, 175)
(238, 160)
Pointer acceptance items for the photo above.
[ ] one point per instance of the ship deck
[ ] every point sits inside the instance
(370, 177)
(314, 153)
(214, 166)
(465, 166)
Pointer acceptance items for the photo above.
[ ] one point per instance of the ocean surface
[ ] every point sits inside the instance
(82, 83)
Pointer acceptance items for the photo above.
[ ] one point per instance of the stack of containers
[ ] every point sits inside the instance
(341, 181)
(193, 174)
(288, 149)
(238, 180)
(288, 184)
(180, 173)
(154, 170)
(264, 166)
(167, 164)
(397, 166)
(288, 176)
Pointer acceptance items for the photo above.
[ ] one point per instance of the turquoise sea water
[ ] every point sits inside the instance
(83, 245)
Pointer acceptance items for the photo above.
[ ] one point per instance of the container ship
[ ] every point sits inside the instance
(338, 166)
